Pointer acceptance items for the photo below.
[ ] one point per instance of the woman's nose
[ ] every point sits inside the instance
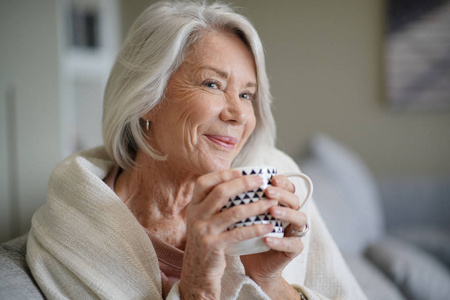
(234, 111)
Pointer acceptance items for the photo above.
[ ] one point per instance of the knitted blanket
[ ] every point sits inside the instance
(84, 243)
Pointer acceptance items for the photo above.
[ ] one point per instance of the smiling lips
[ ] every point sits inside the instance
(227, 142)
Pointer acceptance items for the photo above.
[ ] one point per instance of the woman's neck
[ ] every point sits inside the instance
(157, 194)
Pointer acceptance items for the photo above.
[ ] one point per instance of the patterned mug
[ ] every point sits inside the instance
(257, 245)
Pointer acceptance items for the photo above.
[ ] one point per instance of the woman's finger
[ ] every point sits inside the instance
(297, 219)
(285, 197)
(283, 182)
(206, 183)
(291, 246)
(220, 194)
(240, 234)
(241, 212)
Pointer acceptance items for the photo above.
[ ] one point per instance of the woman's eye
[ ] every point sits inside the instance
(247, 96)
(211, 84)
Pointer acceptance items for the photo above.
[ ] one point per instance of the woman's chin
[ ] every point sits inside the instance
(215, 166)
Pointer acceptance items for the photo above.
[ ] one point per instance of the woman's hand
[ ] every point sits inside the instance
(206, 233)
(266, 268)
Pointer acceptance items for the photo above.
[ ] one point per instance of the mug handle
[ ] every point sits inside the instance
(308, 182)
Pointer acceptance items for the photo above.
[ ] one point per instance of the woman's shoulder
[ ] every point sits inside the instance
(93, 161)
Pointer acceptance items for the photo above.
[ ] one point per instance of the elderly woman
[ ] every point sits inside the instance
(188, 99)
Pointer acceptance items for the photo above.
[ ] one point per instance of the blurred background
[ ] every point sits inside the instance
(325, 60)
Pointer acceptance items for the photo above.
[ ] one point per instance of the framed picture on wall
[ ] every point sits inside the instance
(83, 25)
(417, 55)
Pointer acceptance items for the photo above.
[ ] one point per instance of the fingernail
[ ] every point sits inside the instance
(271, 192)
(271, 240)
(276, 212)
(236, 173)
(258, 180)
(272, 203)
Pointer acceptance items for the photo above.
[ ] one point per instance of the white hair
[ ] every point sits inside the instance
(152, 51)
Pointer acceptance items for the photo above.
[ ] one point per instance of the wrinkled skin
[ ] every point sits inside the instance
(202, 125)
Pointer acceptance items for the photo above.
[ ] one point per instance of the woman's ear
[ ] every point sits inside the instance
(147, 117)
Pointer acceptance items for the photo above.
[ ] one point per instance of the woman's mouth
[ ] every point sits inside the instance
(226, 142)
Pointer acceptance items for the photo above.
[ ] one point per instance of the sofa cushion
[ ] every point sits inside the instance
(418, 274)
(16, 280)
(345, 193)
(422, 199)
(373, 282)
(435, 241)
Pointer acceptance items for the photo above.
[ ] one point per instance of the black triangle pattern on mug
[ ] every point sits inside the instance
(245, 198)
(260, 219)
(253, 196)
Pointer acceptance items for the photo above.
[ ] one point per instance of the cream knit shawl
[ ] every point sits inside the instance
(84, 243)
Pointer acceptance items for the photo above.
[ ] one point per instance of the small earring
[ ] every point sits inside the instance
(147, 124)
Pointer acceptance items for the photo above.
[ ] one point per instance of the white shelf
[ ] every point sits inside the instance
(84, 69)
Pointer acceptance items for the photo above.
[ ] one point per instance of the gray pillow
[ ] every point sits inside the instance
(435, 241)
(416, 273)
(373, 282)
(345, 193)
(16, 281)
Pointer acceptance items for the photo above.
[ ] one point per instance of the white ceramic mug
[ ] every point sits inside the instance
(257, 245)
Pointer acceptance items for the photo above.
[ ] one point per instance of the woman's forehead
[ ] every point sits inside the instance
(219, 52)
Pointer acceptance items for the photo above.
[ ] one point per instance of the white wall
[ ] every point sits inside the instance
(84, 72)
(5, 207)
(50, 99)
(29, 73)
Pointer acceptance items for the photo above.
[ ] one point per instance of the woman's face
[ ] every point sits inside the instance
(207, 115)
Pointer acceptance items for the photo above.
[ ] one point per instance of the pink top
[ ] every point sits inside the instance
(170, 258)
